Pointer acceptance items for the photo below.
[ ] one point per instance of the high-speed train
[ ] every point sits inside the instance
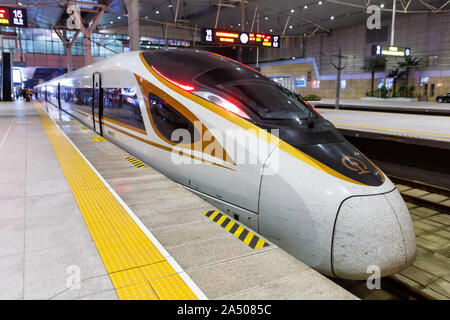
(253, 149)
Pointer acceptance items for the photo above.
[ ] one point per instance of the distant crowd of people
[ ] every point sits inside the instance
(26, 94)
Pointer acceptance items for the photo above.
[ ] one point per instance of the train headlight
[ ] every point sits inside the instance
(221, 102)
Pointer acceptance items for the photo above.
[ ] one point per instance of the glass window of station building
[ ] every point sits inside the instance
(46, 41)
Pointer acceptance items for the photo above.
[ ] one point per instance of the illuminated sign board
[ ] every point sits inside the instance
(13, 17)
(300, 82)
(380, 50)
(210, 35)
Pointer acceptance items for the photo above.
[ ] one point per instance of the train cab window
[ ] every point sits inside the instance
(167, 119)
(122, 105)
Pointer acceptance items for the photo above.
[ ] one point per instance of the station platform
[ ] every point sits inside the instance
(435, 128)
(387, 105)
(80, 218)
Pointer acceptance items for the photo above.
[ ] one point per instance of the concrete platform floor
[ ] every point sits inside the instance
(44, 241)
(418, 126)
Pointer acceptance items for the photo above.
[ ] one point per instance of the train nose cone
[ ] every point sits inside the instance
(372, 231)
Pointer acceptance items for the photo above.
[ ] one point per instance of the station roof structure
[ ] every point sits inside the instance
(288, 17)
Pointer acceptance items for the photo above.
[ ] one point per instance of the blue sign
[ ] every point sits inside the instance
(300, 82)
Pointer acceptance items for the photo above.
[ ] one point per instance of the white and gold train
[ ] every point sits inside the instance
(253, 149)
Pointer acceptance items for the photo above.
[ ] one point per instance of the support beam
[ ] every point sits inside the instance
(87, 31)
(254, 17)
(430, 7)
(286, 24)
(218, 14)
(176, 12)
(443, 6)
(68, 45)
(133, 24)
(312, 22)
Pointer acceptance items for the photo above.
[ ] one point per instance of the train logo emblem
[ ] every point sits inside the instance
(355, 164)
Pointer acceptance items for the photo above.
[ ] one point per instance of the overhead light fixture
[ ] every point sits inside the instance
(239, 24)
(320, 3)
(292, 10)
(290, 27)
(332, 17)
(305, 7)
(266, 18)
(111, 22)
(157, 11)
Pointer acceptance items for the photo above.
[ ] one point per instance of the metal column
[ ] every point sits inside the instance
(133, 24)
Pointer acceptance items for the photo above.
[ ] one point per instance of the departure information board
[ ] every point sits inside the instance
(380, 50)
(13, 17)
(210, 35)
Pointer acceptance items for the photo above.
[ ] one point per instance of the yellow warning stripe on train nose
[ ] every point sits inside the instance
(135, 162)
(243, 234)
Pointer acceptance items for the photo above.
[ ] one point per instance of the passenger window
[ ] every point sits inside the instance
(122, 105)
(167, 119)
(76, 98)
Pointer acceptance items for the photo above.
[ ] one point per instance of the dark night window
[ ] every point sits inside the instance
(167, 119)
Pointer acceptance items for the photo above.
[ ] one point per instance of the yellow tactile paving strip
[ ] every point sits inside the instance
(136, 267)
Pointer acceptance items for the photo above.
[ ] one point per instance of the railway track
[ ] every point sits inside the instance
(423, 195)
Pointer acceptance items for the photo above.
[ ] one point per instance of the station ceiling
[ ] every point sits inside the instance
(295, 17)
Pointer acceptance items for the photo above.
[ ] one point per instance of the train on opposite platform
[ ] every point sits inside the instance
(255, 150)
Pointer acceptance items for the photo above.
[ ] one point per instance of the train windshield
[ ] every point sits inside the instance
(263, 97)
(230, 84)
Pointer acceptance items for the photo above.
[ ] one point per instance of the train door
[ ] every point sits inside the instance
(97, 102)
(59, 95)
(425, 90)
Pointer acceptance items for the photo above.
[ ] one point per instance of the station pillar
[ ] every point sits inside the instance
(87, 48)
(133, 24)
(69, 59)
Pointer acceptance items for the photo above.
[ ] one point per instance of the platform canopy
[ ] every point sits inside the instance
(288, 17)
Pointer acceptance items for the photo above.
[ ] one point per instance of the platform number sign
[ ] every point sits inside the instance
(276, 41)
(209, 35)
(378, 50)
(14, 17)
(19, 17)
